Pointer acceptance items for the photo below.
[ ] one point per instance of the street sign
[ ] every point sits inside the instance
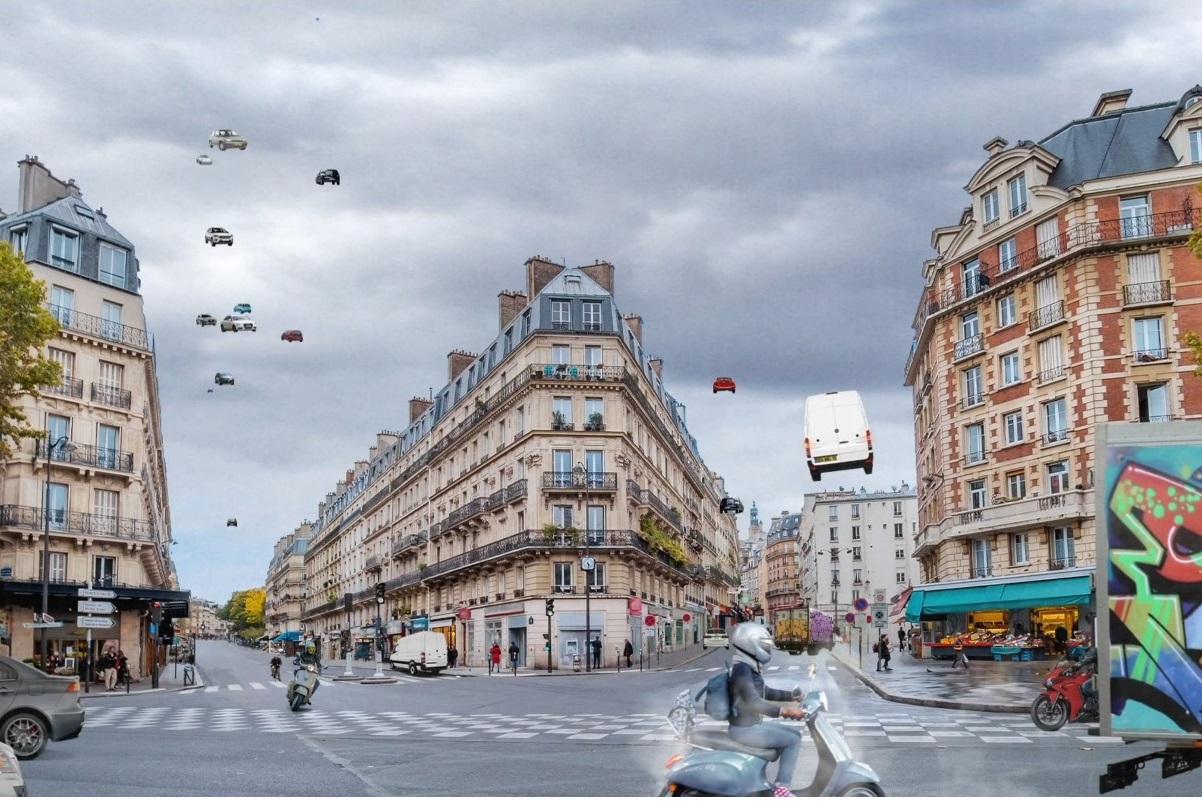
(42, 625)
(95, 607)
(649, 620)
(860, 619)
(879, 595)
(849, 617)
(880, 616)
(94, 622)
(107, 594)
(861, 604)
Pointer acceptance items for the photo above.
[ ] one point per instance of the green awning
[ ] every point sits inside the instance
(1016, 594)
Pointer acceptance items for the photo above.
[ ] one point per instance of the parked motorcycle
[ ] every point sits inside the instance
(719, 765)
(1064, 700)
(302, 686)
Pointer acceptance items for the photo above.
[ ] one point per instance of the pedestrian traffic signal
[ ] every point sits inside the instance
(380, 592)
(156, 612)
(550, 607)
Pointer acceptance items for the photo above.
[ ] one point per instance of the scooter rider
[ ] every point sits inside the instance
(1089, 663)
(751, 700)
(276, 661)
(308, 655)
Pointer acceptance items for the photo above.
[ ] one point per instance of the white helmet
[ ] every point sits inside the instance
(754, 640)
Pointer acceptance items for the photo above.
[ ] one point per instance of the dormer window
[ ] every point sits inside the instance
(1195, 145)
(64, 246)
(20, 239)
(1018, 195)
(561, 314)
(592, 316)
(112, 265)
(990, 209)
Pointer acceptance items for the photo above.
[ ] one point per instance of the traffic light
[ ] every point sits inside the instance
(156, 612)
(550, 606)
(380, 592)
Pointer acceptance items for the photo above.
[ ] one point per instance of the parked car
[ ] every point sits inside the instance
(242, 308)
(227, 138)
(204, 159)
(724, 384)
(237, 323)
(730, 505)
(12, 781)
(423, 652)
(206, 320)
(216, 234)
(329, 175)
(38, 708)
(221, 378)
(715, 638)
(292, 335)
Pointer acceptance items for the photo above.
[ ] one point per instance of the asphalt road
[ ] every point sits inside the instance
(534, 735)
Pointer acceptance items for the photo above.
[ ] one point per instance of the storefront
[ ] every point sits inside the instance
(1005, 616)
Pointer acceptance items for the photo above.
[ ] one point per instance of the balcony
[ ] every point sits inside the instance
(975, 457)
(110, 395)
(88, 455)
(596, 481)
(967, 347)
(1053, 373)
(1017, 516)
(76, 524)
(1150, 355)
(1054, 438)
(644, 498)
(476, 508)
(575, 372)
(1062, 563)
(98, 327)
(511, 493)
(972, 400)
(560, 422)
(1158, 292)
(1045, 316)
(404, 544)
(68, 387)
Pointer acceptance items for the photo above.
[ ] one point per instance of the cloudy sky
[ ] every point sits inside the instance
(764, 176)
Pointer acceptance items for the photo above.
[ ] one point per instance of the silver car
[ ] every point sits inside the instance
(215, 235)
(36, 708)
(227, 138)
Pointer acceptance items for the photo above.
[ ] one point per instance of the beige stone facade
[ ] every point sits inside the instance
(287, 583)
(555, 442)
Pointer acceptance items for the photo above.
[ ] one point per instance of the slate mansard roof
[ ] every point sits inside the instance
(1121, 143)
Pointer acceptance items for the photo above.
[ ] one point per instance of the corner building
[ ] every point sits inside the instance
(1057, 301)
(556, 442)
(102, 496)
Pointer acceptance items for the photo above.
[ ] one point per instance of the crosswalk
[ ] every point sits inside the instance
(259, 686)
(950, 729)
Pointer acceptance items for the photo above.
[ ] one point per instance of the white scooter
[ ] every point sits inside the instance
(722, 766)
(303, 684)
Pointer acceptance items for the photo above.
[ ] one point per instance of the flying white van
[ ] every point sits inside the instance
(422, 652)
(837, 434)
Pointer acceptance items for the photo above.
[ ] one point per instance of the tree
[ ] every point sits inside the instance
(25, 327)
(1192, 340)
(245, 610)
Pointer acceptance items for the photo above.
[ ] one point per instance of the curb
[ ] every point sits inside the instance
(938, 703)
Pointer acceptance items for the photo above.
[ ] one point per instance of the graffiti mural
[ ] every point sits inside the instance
(1154, 585)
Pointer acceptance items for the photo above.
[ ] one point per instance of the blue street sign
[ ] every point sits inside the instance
(861, 604)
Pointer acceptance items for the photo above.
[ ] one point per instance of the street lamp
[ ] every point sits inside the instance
(67, 447)
(587, 565)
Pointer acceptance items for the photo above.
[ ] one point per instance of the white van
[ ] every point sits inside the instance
(837, 434)
(423, 652)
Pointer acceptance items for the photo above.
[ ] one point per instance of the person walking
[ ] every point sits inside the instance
(452, 655)
(108, 665)
(901, 638)
(885, 654)
(958, 656)
(513, 656)
(628, 652)
(596, 643)
(494, 654)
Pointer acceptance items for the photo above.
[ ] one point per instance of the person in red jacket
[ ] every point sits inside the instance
(495, 655)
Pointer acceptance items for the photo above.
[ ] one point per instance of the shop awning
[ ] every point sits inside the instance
(1001, 594)
(287, 636)
(899, 607)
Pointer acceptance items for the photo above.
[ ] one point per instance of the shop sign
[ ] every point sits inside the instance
(465, 613)
(634, 605)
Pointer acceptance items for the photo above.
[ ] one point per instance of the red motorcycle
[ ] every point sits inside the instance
(1064, 700)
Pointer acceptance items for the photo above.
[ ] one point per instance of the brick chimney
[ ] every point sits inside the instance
(657, 365)
(510, 303)
(602, 273)
(635, 322)
(418, 406)
(37, 187)
(539, 271)
(458, 360)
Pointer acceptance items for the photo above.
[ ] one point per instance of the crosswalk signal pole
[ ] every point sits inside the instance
(550, 613)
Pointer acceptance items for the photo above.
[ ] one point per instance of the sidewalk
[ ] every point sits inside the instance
(171, 679)
(986, 686)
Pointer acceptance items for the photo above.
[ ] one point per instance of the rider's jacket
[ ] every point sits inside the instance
(750, 699)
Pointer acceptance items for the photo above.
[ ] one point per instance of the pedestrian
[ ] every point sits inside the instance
(958, 656)
(452, 655)
(1061, 634)
(108, 666)
(513, 655)
(628, 652)
(882, 653)
(122, 668)
(901, 638)
(495, 655)
(596, 643)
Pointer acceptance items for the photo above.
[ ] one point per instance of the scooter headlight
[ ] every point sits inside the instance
(1048, 684)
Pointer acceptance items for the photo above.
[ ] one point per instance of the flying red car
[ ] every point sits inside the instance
(724, 384)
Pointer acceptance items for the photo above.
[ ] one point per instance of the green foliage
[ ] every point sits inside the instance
(25, 327)
(245, 612)
(660, 540)
(1192, 340)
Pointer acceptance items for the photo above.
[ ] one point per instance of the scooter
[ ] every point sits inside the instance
(722, 766)
(1064, 700)
(302, 686)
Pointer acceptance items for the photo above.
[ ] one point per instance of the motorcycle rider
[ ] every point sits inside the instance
(309, 655)
(276, 661)
(751, 700)
(1089, 663)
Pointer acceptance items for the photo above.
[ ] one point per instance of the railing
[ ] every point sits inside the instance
(972, 400)
(405, 542)
(1062, 563)
(655, 503)
(514, 491)
(969, 346)
(73, 522)
(1046, 316)
(68, 387)
(1147, 293)
(603, 481)
(109, 395)
(88, 455)
(99, 327)
(1150, 355)
(465, 512)
(974, 457)
(570, 371)
(1055, 372)
(560, 424)
(1055, 437)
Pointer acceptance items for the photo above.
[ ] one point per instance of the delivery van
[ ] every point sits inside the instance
(836, 433)
(423, 652)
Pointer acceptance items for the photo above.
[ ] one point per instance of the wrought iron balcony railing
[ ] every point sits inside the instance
(1150, 355)
(1053, 373)
(1147, 293)
(1055, 437)
(99, 327)
(73, 522)
(88, 455)
(969, 346)
(109, 395)
(573, 371)
(68, 387)
(600, 481)
(1046, 316)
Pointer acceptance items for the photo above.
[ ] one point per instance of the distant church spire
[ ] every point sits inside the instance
(755, 514)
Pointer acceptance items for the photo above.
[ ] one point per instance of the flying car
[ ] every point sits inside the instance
(329, 175)
(206, 320)
(231, 523)
(837, 436)
(724, 384)
(292, 335)
(204, 159)
(730, 505)
(221, 378)
(242, 308)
